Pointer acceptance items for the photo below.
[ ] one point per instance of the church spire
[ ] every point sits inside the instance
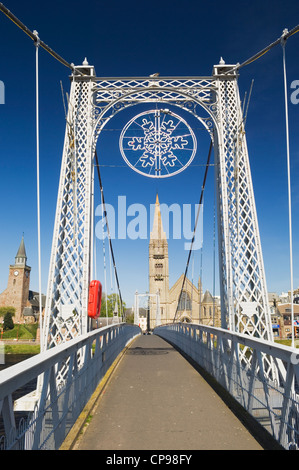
(157, 232)
(21, 257)
(158, 269)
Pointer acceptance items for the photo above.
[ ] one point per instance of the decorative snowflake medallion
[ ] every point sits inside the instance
(158, 143)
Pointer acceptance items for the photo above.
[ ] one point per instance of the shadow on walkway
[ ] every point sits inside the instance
(156, 400)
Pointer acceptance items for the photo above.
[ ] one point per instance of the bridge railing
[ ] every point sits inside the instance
(273, 403)
(57, 403)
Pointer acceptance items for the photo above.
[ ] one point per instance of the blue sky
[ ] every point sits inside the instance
(138, 38)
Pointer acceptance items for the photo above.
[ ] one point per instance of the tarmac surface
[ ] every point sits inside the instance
(155, 400)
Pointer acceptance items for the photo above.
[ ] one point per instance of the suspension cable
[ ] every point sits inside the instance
(108, 231)
(195, 226)
(285, 35)
(35, 38)
(283, 42)
(38, 195)
(104, 261)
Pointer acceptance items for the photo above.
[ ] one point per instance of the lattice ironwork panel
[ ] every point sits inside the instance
(66, 305)
(191, 94)
(244, 293)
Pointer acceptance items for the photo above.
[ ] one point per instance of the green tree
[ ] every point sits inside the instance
(5, 310)
(129, 318)
(113, 302)
(8, 323)
(7, 313)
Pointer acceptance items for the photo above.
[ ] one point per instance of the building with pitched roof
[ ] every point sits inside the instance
(190, 305)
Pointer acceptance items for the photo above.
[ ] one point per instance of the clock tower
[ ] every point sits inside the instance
(17, 292)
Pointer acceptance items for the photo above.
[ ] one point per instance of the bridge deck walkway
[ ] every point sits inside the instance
(156, 400)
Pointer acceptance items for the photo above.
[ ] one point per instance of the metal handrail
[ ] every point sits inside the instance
(59, 398)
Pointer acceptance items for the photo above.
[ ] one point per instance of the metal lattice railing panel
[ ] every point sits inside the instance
(273, 403)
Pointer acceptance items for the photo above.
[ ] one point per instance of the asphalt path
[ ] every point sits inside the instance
(157, 400)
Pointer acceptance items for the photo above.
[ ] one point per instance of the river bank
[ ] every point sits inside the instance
(13, 347)
(31, 347)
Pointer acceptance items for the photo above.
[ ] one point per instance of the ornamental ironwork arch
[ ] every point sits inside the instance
(93, 102)
(178, 98)
(153, 91)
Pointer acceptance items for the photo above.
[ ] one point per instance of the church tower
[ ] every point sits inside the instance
(158, 268)
(17, 292)
(187, 305)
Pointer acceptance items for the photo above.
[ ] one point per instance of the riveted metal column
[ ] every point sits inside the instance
(70, 264)
(243, 285)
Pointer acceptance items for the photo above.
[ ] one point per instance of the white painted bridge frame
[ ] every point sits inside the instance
(273, 403)
(215, 102)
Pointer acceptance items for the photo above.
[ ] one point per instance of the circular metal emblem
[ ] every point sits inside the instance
(157, 143)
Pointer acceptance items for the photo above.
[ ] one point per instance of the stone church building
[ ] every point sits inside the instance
(194, 306)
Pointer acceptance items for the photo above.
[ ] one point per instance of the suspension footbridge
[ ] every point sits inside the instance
(241, 355)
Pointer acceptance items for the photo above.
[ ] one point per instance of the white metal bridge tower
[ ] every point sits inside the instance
(215, 102)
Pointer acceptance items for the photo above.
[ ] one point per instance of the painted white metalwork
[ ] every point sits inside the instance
(273, 403)
(60, 402)
(158, 144)
(69, 272)
(244, 302)
(215, 102)
(157, 321)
